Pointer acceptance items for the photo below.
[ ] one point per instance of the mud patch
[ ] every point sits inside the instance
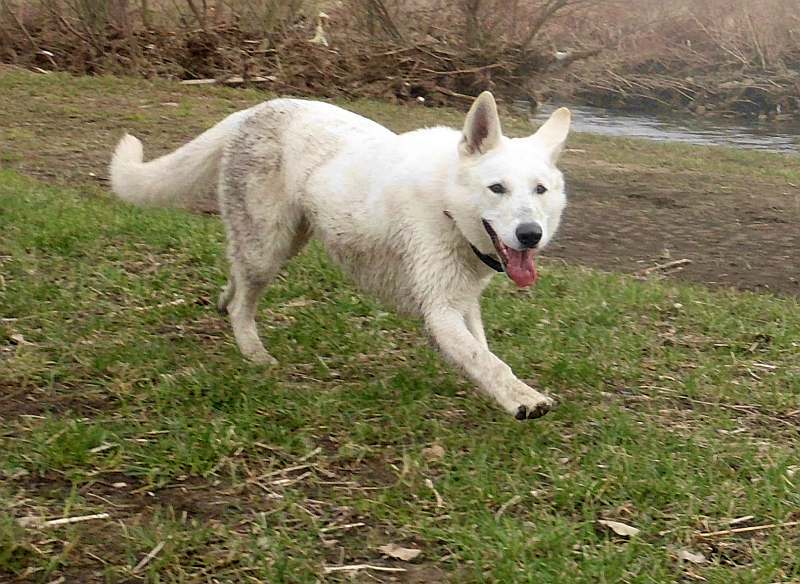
(738, 241)
(17, 401)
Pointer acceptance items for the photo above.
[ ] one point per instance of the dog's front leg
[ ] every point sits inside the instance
(449, 329)
(475, 323)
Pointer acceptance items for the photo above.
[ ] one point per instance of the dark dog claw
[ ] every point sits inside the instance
(522, 413)
(538, 411)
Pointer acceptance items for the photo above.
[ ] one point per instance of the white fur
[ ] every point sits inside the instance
(185, 178)
(397, 212)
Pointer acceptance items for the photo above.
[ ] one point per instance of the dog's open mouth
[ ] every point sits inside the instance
(519, 265)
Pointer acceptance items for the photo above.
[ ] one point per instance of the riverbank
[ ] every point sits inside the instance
(634, 204)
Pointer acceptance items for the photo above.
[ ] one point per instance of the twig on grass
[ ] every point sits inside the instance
(65, 520)
(150, 555)
(665, 267)
(339, 527)
(724, 532)
(510, 503)
(439, 500)
(357, 567)
(281, 471)
(739, 520)
(743, 408)
(176, 302)
(311, 454)
(290, 481)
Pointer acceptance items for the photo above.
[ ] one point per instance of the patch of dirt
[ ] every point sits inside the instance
(16, 401)
(127, 496)
(742, 239)
(129, 502)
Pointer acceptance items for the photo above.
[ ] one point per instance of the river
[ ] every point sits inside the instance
(774, 136)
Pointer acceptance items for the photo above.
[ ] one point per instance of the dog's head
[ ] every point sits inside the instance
(511, 193)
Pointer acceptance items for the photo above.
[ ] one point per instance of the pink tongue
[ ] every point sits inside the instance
(520, 267)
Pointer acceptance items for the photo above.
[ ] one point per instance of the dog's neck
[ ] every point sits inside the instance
(490, 261)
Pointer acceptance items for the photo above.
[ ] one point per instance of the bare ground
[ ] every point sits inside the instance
(739, 238)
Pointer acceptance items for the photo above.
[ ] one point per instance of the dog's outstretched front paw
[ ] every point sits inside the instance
(525, 403)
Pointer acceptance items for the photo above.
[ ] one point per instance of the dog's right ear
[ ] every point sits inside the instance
(553, 133)
(482, 130)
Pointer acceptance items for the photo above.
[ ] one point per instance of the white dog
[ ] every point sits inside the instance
(421, 219)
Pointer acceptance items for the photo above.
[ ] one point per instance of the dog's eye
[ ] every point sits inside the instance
(497, 188)
(541, 189)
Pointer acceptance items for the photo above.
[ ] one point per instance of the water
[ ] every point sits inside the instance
(782, 136)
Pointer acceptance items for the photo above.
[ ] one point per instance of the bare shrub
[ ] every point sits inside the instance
(732, 55)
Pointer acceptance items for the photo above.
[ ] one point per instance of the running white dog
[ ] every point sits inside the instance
(421, 219)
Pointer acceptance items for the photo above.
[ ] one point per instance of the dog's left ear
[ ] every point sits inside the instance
(482, 130)
(553, 133)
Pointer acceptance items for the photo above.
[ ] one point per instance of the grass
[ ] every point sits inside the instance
(122, 392)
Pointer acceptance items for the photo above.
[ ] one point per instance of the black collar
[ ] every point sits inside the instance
(488, 260)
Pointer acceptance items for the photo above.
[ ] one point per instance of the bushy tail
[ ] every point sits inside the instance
(185, 178)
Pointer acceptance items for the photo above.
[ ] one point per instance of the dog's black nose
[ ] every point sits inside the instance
(529, 234)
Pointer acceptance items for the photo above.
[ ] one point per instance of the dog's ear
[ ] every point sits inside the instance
(482, 127)
(553, 133)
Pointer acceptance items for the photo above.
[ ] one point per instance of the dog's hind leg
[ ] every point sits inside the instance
(264, 224)
(242, 311)
(251, 271)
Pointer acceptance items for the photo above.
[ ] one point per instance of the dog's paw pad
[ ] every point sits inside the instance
(531, 413)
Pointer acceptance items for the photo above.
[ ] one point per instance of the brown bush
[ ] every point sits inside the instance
(719, 54)
(733, 56)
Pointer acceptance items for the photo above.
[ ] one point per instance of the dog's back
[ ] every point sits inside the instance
(292, 129)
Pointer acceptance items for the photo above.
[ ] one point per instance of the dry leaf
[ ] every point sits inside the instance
(399, 553)
(619, 528)
(433, 453)
(18, 339)
(695, 558)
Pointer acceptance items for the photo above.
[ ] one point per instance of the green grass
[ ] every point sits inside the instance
(121, 391)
